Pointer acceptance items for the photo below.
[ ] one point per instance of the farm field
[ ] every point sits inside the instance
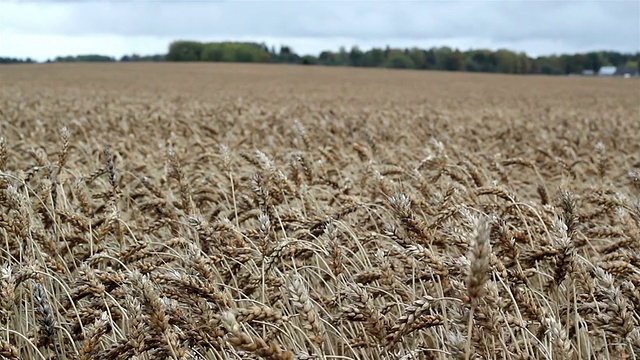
(199, 211)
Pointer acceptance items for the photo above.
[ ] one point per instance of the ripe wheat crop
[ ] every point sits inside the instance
(153, 211)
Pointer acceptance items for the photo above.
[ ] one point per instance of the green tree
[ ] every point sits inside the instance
(419, 58)
(212, 52)
(327, 58)
(342, 58)
(374, 58)
(309, 60)
(472, 66)
(593, 61)
(8, 60)
(550, 65)
(398, 60)
(506, 61)
(443, 58)
(455, 61)
(430, 58)
(355, 56)
(523, 64)
(245, 54)
(85, 58)
(185, 51)
(287, 55)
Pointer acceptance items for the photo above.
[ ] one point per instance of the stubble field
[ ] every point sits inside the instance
(199, 211)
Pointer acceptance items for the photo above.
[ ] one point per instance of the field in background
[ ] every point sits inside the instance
(207, 211)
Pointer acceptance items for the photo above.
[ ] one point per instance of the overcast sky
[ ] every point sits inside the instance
(45, 29)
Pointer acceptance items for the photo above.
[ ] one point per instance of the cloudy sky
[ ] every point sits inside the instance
(45, 29)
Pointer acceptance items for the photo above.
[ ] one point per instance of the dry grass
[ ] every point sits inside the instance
(237, 212)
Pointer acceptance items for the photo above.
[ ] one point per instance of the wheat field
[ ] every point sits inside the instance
(199, 211)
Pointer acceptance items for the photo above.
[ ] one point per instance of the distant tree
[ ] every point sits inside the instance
(472, 66)
(398, 60)
(342, 58)
(236, 52)
(506, 61)
(614, 58)
(455, 61)
(145, 58)
(580, 62)
(568, 64)
(356, 57)
(245, 54)
(443, 58)
(264, 48)
(430, 58)
(523, 64)
(95, 58)
(374, 58)
(185, 51)
(550, 65)
(285, 50)
(387, 51)
(85, 58)
(419, 58)
(436, 58)
(288, 56)
(593, 61)
(309, 60)
(327, 58)
(213, 52)
(8, 60)
(479, 60)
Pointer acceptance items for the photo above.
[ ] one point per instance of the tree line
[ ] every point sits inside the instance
(436, 58)
(9, 60)
(102, 58)
(87, 58)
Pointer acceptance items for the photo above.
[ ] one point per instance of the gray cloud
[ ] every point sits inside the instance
(571, 25)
